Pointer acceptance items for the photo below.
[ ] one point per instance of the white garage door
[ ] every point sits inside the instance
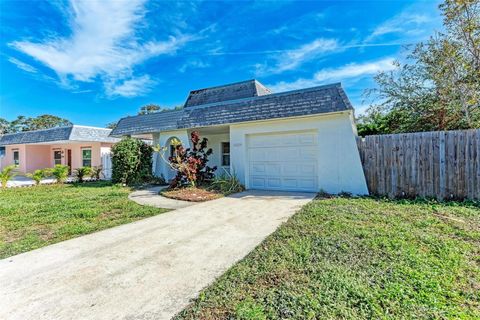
(283, 161)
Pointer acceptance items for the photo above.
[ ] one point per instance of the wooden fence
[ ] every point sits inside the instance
(442, 164)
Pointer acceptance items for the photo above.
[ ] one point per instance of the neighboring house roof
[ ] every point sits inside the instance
(70, 133)
(304, 102)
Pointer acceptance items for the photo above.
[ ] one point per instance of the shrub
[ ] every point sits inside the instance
(82, 172)
(131, 161)
(96, 172)
(227, 184)
(191, 163)
(38, 175)
(60, 172)
(6, 175)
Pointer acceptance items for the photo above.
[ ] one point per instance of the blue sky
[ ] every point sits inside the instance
(95, 62)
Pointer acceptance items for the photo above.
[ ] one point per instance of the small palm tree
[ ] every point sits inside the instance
(82, 172)
(6, 175)
(96, 172)
(60, 172)
(37, 176)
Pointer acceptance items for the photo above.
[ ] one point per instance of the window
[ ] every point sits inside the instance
(226, 154)
(2, 152)
(86, 157)
(16, 158)
(57, 157)
(173, 150)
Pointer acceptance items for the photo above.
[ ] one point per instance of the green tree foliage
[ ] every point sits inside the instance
(111, 125)
(131, 161)
(153, 108)
(149, 108)
(438, 87)
(22, 123)
(4, 125)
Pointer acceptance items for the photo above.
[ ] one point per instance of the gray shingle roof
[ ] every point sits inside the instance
(233, 91)
(304, 102)
(70, 133)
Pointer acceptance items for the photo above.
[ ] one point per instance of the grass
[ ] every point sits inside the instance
(34, 217)
(360, 258)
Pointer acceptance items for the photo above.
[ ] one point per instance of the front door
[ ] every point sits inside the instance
(69, 161)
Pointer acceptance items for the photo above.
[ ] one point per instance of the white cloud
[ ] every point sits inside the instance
(347, 72)
(102, 43)
(292, 59)
(22, 65)
(129, 88)
(193, 64)
(411, 21)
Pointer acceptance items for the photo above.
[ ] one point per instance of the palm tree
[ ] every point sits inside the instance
(6, 175)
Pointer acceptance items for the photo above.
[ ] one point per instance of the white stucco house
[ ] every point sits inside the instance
(302, 140)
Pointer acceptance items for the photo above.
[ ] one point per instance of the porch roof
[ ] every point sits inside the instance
(60, 135)
(304, 102)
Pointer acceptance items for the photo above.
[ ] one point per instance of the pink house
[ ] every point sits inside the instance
(74, 146)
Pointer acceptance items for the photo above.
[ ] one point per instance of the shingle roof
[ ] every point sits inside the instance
(233, 91)
(70, 133)
(304, 102)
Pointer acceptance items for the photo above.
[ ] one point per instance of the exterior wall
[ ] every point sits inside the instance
(7, 160)
(339, 164)
(162, 139)
(37, 156)
(215, 142)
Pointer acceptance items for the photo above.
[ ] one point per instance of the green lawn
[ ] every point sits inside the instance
(357, 259)
(34, 217)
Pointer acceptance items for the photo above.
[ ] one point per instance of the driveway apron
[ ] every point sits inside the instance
(149, 269)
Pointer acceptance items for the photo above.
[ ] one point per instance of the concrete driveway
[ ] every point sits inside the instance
(149, 269)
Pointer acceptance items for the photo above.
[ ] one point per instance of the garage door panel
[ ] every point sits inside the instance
(288, 154)
(274, 183)
(290, 169)
(308, 169)
(258, 155)
(257, 169)
(284, 161)
(273, 169)
(258, 183)
(307, 139)
(290, 183)
(308, 154)
(289, 140)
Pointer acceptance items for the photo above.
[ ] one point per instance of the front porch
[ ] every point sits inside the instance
(218, 140)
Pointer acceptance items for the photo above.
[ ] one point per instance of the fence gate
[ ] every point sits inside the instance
(107, 165)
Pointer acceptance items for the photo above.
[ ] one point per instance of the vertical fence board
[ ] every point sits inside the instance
(443, 164)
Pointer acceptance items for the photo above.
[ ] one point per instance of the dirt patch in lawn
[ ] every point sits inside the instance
(191, 194)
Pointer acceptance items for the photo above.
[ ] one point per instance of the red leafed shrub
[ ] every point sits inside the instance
(191, 163)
